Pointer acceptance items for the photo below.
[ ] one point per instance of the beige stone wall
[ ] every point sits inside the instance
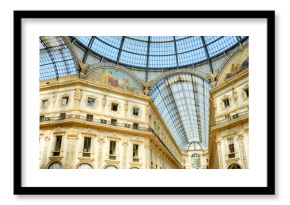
(157, 149)
(230, 123)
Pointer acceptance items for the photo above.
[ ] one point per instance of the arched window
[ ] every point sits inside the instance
(234, 166)
(55, 165)
(111, 167)
(195, 161)
(84, 166)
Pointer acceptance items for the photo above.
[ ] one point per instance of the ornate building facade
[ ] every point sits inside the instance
(229, 115)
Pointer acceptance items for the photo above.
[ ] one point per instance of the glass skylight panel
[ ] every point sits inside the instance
(142, 38)
(191, 57)
(188, 44)
(162, 61)
(162, 48)
(115, 41)
(134, 46)
(133, 59)
(161, 38)
(221, 45)
(210, 39)
(104, 49)
(181, 37)
(84, 39)
(56, 59)
(187, 108)
(47, 71)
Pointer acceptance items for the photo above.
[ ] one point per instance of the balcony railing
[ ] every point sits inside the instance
(112, 157)
(135, 159)
(97, 121)
(230, 118)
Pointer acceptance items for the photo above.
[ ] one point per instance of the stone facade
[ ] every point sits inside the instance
(80, 128)
(229, 115)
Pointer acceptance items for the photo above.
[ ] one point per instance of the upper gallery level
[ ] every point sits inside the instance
(230, 94)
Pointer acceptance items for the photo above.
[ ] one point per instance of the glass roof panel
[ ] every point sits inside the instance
(157, 52)
(182, 101)
(84, 39)
(105, 49)
(142, 38)
(162, 61)
(56, 59)
(133, 59)
(188, 44)
(112, 40)
(192, 56)
(221, 44)
(162, 48)
(133, 46)
(161, 38)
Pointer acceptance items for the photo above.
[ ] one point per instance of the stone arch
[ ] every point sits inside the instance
(54, 162)
(181, 71)
(234, 166)
(126, 79)
(111, 166)
(234, 60)
(84, 163)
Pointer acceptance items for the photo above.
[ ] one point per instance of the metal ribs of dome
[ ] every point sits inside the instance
(157, 52)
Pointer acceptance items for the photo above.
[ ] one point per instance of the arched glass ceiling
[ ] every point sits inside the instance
(56, 59)
(157, 52)
(183, 102)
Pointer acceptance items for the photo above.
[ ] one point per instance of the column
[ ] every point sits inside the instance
(242, 152)
(69, 161)
(125, 151)
(220, 155)
(44, 152)
(147, 156)
(101, 142)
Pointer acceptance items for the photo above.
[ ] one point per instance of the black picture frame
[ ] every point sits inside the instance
(269, 16)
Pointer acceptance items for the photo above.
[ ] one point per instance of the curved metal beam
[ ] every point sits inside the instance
(207, 53)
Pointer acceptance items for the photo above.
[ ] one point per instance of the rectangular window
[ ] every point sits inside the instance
(135, 153)
(90, 117)
(135, 111)
(114, 107)
(114, 122)
(65, 100)
(91, 102)
(57, 145)
(87, 147)
(41, 118)
(127, 125)
(103, 121)
(112, 151)
(231, 148)
(44, 104)
(226, 102)
(228, 117)
(62, 116)
(247, 92)
(235, 116)
(135, 125)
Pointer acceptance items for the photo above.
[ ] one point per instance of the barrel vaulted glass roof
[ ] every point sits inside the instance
(183, 102)
(56, 58)
(158, 52)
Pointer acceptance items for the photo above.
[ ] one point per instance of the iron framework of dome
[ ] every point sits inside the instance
(157, 52)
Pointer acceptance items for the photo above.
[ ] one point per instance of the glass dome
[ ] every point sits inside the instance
(158, 52)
